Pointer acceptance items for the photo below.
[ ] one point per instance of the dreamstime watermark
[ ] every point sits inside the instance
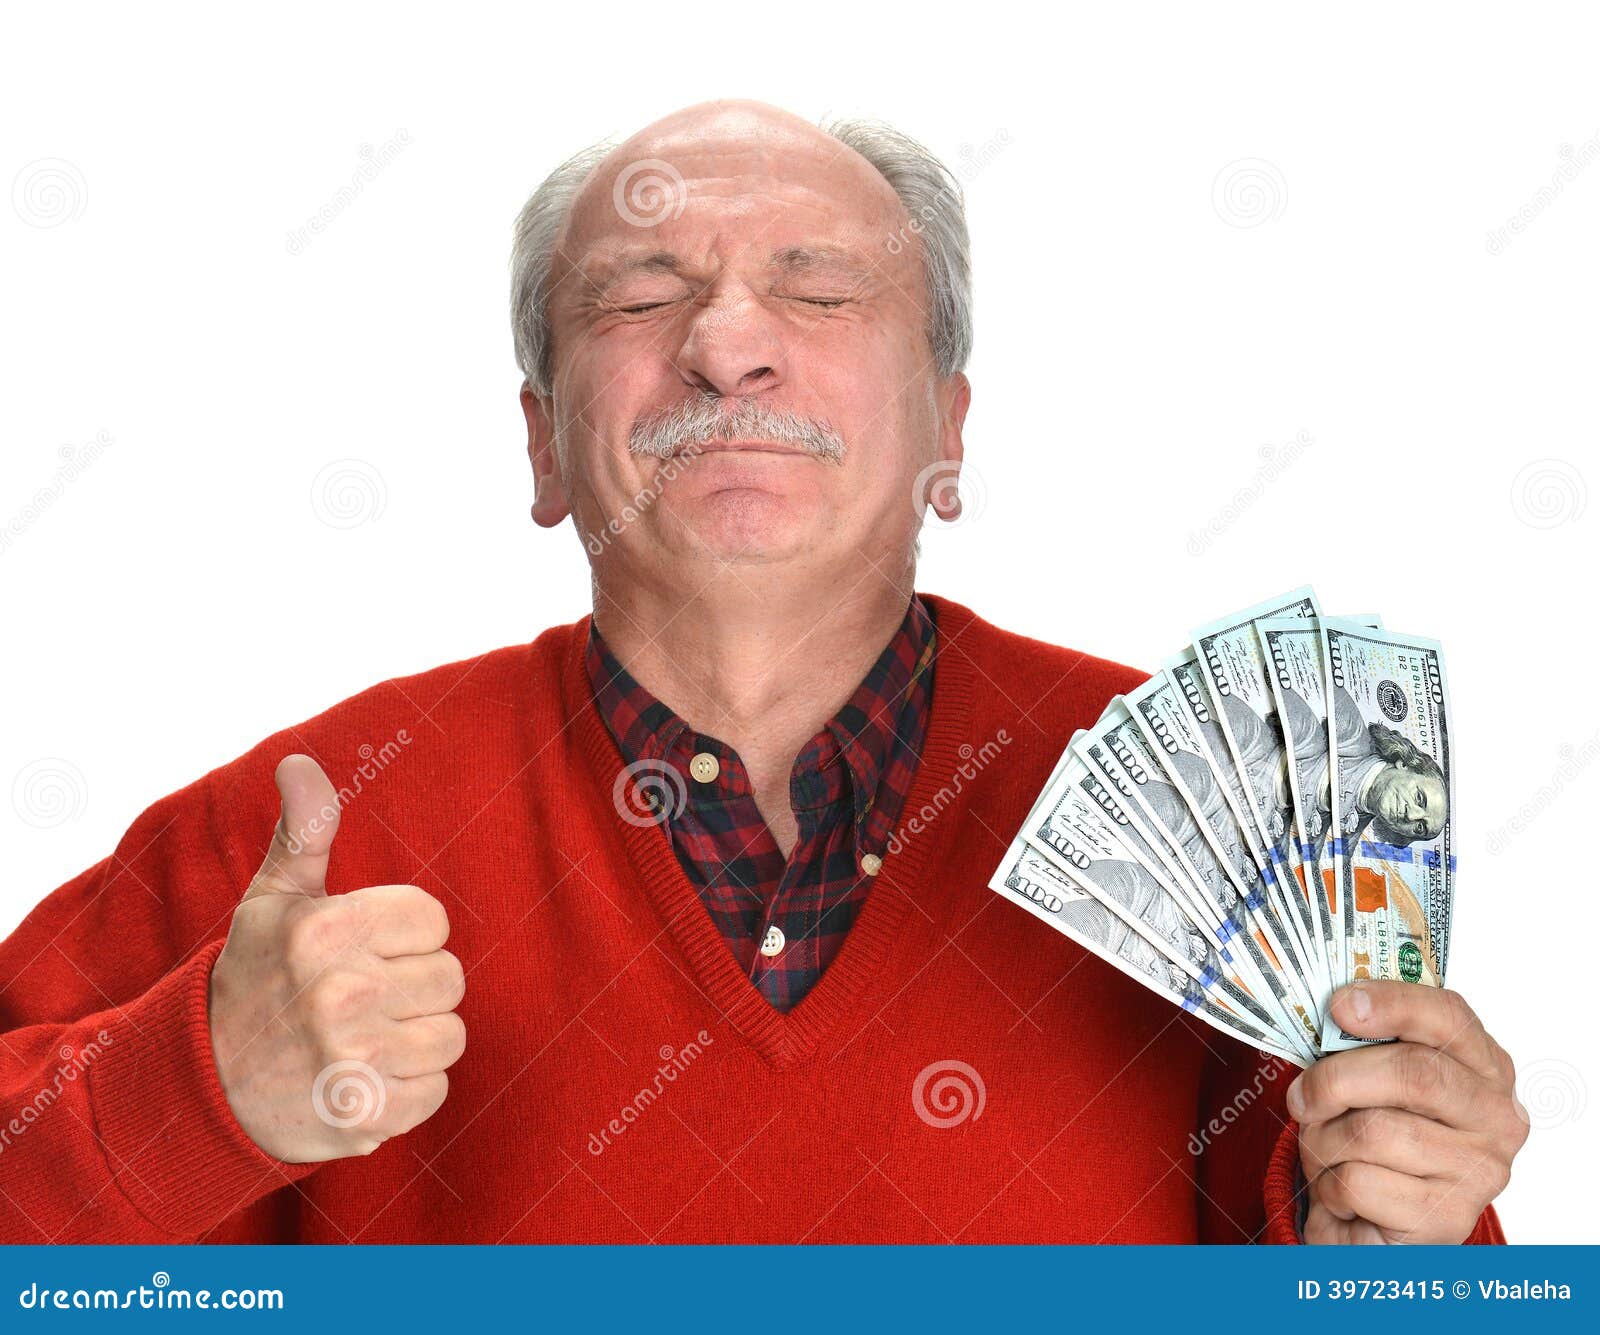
(373, 161)
(948, 1093)
(49, 792)
(75, 460)
(944, 481)
(1574, 761)
(1236, 1107)
(1548, 493)
(1249, 192)
(972, 162)
(674, 1062)
(1553, 1091)
(972, 762)
(648, 792)
(1275, 460)
(158, 1295)
(1573, 161)
(348, 493)
(48, 192)
(648, 192)
(643, 500)
(348, 1093)
(374, 760)
(73, 1063)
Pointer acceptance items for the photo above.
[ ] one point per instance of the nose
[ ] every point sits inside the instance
(730, 346)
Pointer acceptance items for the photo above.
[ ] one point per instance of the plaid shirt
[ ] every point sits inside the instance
(785, 921)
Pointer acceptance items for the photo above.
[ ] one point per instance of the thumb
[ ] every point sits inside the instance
(297, 860)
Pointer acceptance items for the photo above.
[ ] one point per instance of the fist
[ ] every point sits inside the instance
(1406, 1141)
(332, 1018)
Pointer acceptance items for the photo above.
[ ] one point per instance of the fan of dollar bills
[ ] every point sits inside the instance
(1268, 817)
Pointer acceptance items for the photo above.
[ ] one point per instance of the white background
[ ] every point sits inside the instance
(1188, 395)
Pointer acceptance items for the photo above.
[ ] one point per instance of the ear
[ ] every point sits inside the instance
(955, 397)
(549, 492)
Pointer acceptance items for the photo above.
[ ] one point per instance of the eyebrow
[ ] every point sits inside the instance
(787, 260)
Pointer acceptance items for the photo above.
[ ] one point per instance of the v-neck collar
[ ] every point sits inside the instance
(787, 1038)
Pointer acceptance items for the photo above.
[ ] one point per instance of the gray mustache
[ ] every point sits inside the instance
(707, 418)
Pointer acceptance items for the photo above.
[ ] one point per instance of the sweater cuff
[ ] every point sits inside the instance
(170, 1140)
(1283, 1195)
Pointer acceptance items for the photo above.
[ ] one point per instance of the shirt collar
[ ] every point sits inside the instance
(864, 733)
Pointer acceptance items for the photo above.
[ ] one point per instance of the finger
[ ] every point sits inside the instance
(1393, 1075)
(1324, 1228)
(1390, 1138)
(1406, 1208)
(416, 985)
(412, 1101)
(399, 920)
(296, 862)
(1396, 1202)
(1433, 1016)
(423, 1046)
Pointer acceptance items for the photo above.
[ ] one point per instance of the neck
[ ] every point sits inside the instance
(755, 660)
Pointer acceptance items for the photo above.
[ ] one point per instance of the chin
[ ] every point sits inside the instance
(745, 524)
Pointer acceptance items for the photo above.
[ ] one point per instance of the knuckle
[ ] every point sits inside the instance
(1421, 1075)
(317, 934)
(1371, 1130)
(341, 996)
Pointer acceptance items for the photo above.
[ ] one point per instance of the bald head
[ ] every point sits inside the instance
(735, 278)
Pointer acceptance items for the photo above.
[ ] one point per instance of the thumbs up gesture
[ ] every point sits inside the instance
(332, 1017)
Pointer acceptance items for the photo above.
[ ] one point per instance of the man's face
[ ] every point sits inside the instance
(775, 285)
(1409, 803)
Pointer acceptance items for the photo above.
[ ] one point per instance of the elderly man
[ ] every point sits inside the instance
(711, 862)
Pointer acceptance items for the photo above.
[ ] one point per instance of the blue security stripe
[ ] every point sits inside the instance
(1427, 857)
(1209, 976)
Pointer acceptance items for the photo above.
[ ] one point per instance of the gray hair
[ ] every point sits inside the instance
(930, 193)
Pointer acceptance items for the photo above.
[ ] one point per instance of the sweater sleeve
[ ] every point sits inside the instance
(115, 1126)
(1248, 1182)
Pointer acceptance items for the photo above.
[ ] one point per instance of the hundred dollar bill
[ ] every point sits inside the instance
(1027, 878)
(1081, 827)
(1235, 671)
(1392, 797)
(1158, 709)
(1241, 908)
(1298, 672)
(1193, 699)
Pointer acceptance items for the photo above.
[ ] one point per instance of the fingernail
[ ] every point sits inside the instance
(1360, 1002)
(1295, 1099)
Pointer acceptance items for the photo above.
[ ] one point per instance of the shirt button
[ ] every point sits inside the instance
(871, 863)
(772, 943)
(704, 767)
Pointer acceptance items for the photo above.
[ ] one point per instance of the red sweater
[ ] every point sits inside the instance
(623, 1081)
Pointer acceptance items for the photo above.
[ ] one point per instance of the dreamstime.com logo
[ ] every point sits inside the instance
(1249, 192)
(348, 1093)
(944, 481)
(158, 1295)
(674, 1062)
(374, 760)
(1236, 1107)
(73, 1063)
(948, 1093)
(48, 792)
(648, 192)
(649, 792)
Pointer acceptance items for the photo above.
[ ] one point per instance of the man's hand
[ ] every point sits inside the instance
(1406, 1141)
(332, 1019)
